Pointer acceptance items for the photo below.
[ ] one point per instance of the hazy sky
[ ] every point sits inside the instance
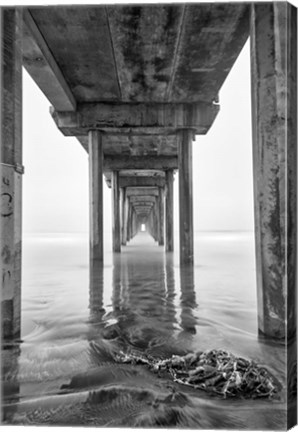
(56, 167)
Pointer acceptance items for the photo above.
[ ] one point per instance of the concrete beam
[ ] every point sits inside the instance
(137, 145)
(141, 209)
(204, 61)
(11, 169)
(116, 163)
(136, 181)
(142, 204)
(143, 173)
(145, 52)
(142, 191)
(142, 198)
(137, 118)
(137, 173)
(192, 68)
(141, 181)
(41, 65)
(274, 114)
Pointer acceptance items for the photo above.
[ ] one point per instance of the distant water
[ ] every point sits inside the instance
(141, 301)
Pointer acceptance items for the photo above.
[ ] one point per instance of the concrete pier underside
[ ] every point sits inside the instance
(135, 84)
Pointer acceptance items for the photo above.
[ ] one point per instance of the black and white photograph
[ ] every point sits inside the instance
(149, 214)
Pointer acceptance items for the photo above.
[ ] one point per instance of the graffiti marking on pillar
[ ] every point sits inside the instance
(6, 204)
(6, 275)
(6, 181)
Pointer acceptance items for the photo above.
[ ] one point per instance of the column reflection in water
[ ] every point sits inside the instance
(188, 299)
(144, 292)
(170, 295)
(10, 386)
(117, 283)
(99, 350)
(96, 286)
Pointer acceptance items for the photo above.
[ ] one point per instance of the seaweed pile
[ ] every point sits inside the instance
(217, 372)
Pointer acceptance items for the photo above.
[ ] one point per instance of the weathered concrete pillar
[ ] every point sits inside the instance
(134, 223)
(274, 117)
(128, 222)
(157, 219)
(131, 223)
(185, 197)
(11, 168)
(149, 223)
(127, 206)
(124, 217)
(96, 198)
(169, 211)
(161, 241)
(121, 211)
(116, 212)
(153, 222)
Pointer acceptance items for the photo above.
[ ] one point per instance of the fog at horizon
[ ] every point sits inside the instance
(55, 184)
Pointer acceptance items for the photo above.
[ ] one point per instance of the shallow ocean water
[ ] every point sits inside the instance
(63, 372)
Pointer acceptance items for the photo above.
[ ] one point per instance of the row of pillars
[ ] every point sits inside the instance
(161, 217)
(274, 114)
(156, 220)
(125, 221)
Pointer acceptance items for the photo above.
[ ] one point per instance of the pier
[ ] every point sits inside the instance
(135, 85)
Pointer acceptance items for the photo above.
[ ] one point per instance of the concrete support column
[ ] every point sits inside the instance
(11, 169)
(121, 211)
(137, 224)
(116, 212)
(134, 223)
(124, 217)
(129, 222)
(149, 223)
(169, 211)
(157, 219)
(96, 198)
(161, 241)
(153, 222)
(127, 215)
(185, 197)
(274, 117)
